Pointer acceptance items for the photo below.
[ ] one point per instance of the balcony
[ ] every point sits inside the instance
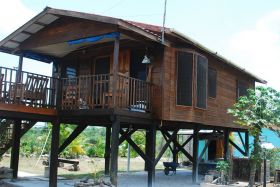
(96, 91)
(29, 89)
(76, 93)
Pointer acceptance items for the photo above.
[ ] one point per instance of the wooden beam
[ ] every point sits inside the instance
(246, 143)
(237, 147)
(195, 155)
(166, 146)
(226, 142)
(187, 141)
(242, 141)
(135, 147)
(115, 69)
(180, 148)
(15, 148)
(203, 150)
(151, 155)
(114, 152)
(26, 109)
(78, 130)
(107, 150)
(128, 133)
(166, 139)
(54, 153)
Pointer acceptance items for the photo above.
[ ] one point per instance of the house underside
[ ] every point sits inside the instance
(98, 80)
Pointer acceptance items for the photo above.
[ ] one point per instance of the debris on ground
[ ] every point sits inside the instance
(6, 173)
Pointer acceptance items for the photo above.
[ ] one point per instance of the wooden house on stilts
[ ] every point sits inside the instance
(120, 75)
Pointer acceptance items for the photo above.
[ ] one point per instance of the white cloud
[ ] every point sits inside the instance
(258, 49)
(13, 14)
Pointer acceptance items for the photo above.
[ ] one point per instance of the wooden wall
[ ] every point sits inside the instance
(216, 112)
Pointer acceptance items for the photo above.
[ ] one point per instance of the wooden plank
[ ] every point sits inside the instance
(54, 153)
(27, 109)
(15, 148)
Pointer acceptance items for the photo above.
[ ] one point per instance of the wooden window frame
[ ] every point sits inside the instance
(192, 52)
(194, 80)
(195, 83)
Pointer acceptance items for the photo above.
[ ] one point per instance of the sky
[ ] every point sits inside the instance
(245, 32)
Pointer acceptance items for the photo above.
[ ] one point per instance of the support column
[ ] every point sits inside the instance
(54, 154)
(226, 143)
(107, 150)
(151, 155)
(114, 152)
(19, 68)
(115, 69)
(247, 143)
(148, 134)
(15, 148)
(195, 155)
(175, 151)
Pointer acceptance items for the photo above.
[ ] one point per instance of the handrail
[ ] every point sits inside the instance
(33, 90)
(95, 91)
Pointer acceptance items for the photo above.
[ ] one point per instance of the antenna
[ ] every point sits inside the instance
(163, 24)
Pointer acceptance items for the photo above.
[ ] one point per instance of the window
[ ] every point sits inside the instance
(212, 82)
(201, 82)
(184, 78)
(242, 88)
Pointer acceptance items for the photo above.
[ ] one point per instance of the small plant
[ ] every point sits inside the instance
(223, 169)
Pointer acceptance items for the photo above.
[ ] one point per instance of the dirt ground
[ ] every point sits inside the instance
(88, 166)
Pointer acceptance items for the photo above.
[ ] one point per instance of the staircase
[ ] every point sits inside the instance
(6, 132)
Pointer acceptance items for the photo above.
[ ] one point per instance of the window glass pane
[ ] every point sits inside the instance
(201, 84)
(242, 88)
(184, 78)
(212, 81)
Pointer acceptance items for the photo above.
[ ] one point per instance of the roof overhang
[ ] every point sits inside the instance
(215, 54)
(11, 44)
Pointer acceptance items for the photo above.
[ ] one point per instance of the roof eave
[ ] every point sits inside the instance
(197, 44)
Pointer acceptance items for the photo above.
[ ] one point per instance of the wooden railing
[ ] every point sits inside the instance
(95, 91)
(20, 87)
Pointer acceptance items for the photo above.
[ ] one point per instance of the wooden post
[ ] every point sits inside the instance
(195, 155)
(226, 143)
(19, 68)
(148, 134)
(114, 152)
(151, 155)
(115, 69)
(54, 153)
(175, 151)
(15, 148)
(107, 150)
(247, 143)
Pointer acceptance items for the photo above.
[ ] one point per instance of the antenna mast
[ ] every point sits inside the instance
(163, 24)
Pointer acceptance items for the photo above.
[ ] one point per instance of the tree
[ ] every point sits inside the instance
(259, 109)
